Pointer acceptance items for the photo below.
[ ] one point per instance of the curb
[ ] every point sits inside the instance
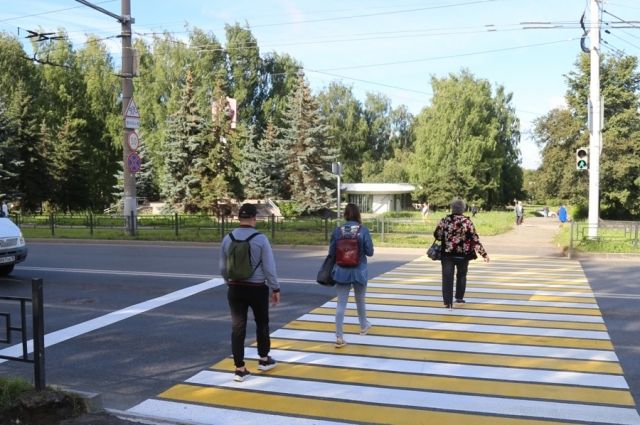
(149, 420)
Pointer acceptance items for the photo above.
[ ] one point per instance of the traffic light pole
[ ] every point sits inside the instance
(595, 137)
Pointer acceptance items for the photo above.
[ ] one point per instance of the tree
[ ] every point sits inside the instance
(262, 172)
(346, 128)
(464, 142)
(103, 149)
(186, 145)
(69, 189)
(561, 132)
(307, 151)
(30, 185)
(7, 153)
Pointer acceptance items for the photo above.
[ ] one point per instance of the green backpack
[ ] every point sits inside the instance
(239, 259)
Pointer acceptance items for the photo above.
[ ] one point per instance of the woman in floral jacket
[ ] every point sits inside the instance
(460, 245)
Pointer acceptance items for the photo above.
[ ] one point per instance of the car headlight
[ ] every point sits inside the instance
(21, 241)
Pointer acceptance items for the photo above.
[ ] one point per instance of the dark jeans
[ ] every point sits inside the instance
(241, 297)
(460, 264)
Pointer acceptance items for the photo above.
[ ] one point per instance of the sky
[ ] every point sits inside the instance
(388, 47)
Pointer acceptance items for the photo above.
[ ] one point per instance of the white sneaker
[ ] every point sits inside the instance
(366, 329)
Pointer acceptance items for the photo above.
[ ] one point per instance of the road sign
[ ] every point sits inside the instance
(131, 122)
(134, 162)
(132, 110)
(133, 140)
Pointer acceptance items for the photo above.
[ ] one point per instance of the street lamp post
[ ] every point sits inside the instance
(336, 168)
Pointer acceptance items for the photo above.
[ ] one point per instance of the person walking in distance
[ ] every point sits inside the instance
(460, 243)
(249, 270)
(350, 245)
(519, 213)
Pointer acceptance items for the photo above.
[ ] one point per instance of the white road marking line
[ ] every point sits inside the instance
(427, 399)
(140, 273)
(485, 301)
(459, 346)
(73, 331)
(487, 290)
(465, 327)
(447, 369)
(198, 414)
(474, 313)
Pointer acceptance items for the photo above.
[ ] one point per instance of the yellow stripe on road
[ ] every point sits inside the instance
(503, 307)
(333, 409)
(451, 356)
(469, 319)
(461, 336)
(446, 384)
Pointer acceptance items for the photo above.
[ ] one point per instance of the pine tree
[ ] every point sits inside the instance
(32, 171)
(186, 141)
(306, 153)
(67, 167)
(7, 153)
(261, 168)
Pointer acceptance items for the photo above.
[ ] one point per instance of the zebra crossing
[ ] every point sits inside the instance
(529, 347)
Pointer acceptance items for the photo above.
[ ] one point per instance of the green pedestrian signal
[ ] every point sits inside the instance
(582, 158)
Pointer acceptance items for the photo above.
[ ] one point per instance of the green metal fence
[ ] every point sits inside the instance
(209, 228)
(612, 236)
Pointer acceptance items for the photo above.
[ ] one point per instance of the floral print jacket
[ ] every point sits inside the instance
(460, 237)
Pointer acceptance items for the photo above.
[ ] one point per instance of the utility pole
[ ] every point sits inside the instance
(595, 136)
(125, 19)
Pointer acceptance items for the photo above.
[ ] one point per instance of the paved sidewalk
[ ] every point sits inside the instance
(534, 237)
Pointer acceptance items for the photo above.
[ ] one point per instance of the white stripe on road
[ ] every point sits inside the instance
(527, 303)
(425, 399)
(465, 327)
(446, 369)
(533, 292)
(475, 313)
(459, 346)
(113, 317)
(165, 410)
(140, 273)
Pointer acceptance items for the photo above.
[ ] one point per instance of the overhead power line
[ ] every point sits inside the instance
(49, 12)
(482, 52)
(368, 15)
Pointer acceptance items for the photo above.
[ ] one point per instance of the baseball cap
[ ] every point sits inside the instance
(247, 211)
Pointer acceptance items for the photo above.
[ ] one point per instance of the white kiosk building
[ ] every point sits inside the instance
(378, 198)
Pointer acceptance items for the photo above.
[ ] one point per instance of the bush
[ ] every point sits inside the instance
(578, 212)
(289, 209)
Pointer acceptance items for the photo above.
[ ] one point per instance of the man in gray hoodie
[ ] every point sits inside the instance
(252, 292)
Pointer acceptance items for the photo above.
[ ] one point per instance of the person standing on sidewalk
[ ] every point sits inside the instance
(356, 276)
(250, 292)
(460, 243)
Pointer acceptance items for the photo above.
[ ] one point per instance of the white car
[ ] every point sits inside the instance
(13, 248)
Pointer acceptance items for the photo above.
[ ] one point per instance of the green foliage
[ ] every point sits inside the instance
(562, 131)
(466, 144)
(289, 209)
(578, 211)
(306, 152)
(11, 389)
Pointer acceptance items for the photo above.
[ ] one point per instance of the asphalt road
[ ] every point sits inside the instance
(134, 354)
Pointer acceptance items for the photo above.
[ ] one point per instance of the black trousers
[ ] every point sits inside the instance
(241, 298)
(459, 265)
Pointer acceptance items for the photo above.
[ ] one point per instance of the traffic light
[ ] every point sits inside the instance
(582, 158)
